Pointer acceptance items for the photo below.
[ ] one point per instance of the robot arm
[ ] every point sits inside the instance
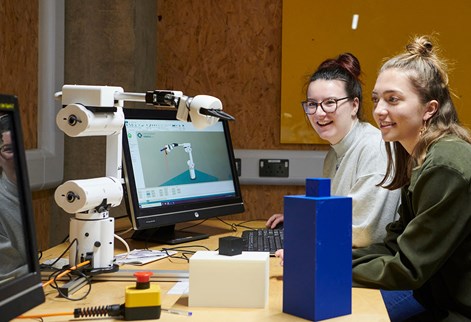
(98, 110)
(89, 108)
(201, 110)
(187, 146)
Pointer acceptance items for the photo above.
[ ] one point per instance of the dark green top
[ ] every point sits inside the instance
(428, 249)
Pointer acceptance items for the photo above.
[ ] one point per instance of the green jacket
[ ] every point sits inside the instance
(428, 249)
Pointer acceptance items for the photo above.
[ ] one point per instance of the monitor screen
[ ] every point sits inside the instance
(20, 281)
(176, 173)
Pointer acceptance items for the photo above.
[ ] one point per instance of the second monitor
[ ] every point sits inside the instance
(176, 173)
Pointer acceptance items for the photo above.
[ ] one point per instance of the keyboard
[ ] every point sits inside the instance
(263, 240)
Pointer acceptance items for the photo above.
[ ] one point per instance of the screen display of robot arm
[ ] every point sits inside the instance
(187, 148)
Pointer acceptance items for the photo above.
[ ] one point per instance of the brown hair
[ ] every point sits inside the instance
(428, 76)
(345, 67)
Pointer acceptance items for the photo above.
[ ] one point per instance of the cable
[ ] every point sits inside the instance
(87, 280)
(114, 310)
(60, 256)
(121, 217)
(194, 225)
(65, 239)
(53, 280)
(44, 315)
(125, 231)
(55, 276)
(108, 310)
(233, 226)
(183, 250)
(125, 244)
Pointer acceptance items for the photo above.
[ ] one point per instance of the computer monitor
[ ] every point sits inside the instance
(20, 280)
(176, 173)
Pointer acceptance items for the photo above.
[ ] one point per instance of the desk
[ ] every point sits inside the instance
(367, 304)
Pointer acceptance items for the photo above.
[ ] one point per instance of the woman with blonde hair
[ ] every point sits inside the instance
(426, 255)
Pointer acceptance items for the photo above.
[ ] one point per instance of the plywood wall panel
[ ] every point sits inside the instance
(19, 60)
(307, 41)
(232, 50)
(19, 76)
(228, 49)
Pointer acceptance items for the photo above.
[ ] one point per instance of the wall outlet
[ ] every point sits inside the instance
(302, 165)
(278, 168)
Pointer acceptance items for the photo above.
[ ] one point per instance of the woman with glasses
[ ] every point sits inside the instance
(356, 161)
(428, 249)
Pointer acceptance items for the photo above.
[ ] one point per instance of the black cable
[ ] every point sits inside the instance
(44, 266)
(183, 251)
(234, 226)
(89, 284)
(194, 225)
(242, 224)
(65, 239)
(108, 310)
(121, 217)
(54, 275)
(56, 272)
(73, 273)
(184, 247)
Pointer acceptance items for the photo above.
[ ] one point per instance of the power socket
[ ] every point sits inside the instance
(278, 168)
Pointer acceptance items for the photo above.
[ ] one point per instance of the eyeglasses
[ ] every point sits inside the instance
(7, 151)
(328, 105)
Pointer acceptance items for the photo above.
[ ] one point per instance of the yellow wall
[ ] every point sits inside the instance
(313, 30)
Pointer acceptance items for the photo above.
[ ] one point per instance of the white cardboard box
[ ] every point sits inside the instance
(229, 281)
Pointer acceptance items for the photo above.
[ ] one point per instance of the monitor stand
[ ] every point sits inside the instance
(167, 235)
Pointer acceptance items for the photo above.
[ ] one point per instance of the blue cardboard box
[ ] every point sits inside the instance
(317, 277)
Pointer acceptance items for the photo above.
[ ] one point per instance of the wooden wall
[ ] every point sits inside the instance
(107, 42)
(225, 48)
(373, 39)
(231, 50)
(19, 76)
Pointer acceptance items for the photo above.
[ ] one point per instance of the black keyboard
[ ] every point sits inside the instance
(263, 240)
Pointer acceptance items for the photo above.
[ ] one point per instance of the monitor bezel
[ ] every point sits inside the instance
(140, 217)
(24, 292)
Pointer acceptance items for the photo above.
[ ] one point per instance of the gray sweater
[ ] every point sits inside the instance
(356, 165)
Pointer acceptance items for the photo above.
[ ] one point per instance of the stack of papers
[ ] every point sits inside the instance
(142, 256)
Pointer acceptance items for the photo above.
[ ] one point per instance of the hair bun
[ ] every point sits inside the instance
(350, 63)
(421, 46)
(345, 61)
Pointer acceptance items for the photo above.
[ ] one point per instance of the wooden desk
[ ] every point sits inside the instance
(367, 304)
